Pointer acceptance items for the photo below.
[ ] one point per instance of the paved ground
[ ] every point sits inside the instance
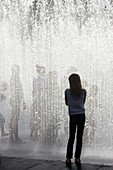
(15, 163)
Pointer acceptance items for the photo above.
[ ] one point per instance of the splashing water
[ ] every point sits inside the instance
(41, 44)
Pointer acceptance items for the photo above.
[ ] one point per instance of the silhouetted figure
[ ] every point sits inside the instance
(3, 96)
(53, 114)
(17, 98)
(2, 123)
(91, 107)
(3, 86)
(85, 83)
(38, 104)
(75, 98)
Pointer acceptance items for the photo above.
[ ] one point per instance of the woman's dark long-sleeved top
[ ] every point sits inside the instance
(75, 104)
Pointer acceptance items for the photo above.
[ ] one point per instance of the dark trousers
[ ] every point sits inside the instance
(76, 123)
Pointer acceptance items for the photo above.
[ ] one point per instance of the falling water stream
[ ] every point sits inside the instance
(54, 39)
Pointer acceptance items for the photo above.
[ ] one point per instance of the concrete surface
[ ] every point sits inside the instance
(15, 163)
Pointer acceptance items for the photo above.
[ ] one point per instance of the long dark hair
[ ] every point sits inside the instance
(75, 85)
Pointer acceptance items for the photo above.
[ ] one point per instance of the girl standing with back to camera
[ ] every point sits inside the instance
(75, 98)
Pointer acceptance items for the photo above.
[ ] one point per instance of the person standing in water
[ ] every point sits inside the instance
(38, 104)
(16, 99)
(75, 98)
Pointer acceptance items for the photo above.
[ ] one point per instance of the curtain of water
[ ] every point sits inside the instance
(41, 43)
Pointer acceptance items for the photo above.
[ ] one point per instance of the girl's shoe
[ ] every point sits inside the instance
(68, 163)
(78, 162)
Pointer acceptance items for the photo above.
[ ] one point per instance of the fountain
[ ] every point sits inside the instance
(41, 44)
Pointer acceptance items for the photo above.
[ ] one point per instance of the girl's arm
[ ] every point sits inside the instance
(66, 99)
(85, 96)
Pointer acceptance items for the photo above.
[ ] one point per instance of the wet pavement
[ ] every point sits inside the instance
(16, 163)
